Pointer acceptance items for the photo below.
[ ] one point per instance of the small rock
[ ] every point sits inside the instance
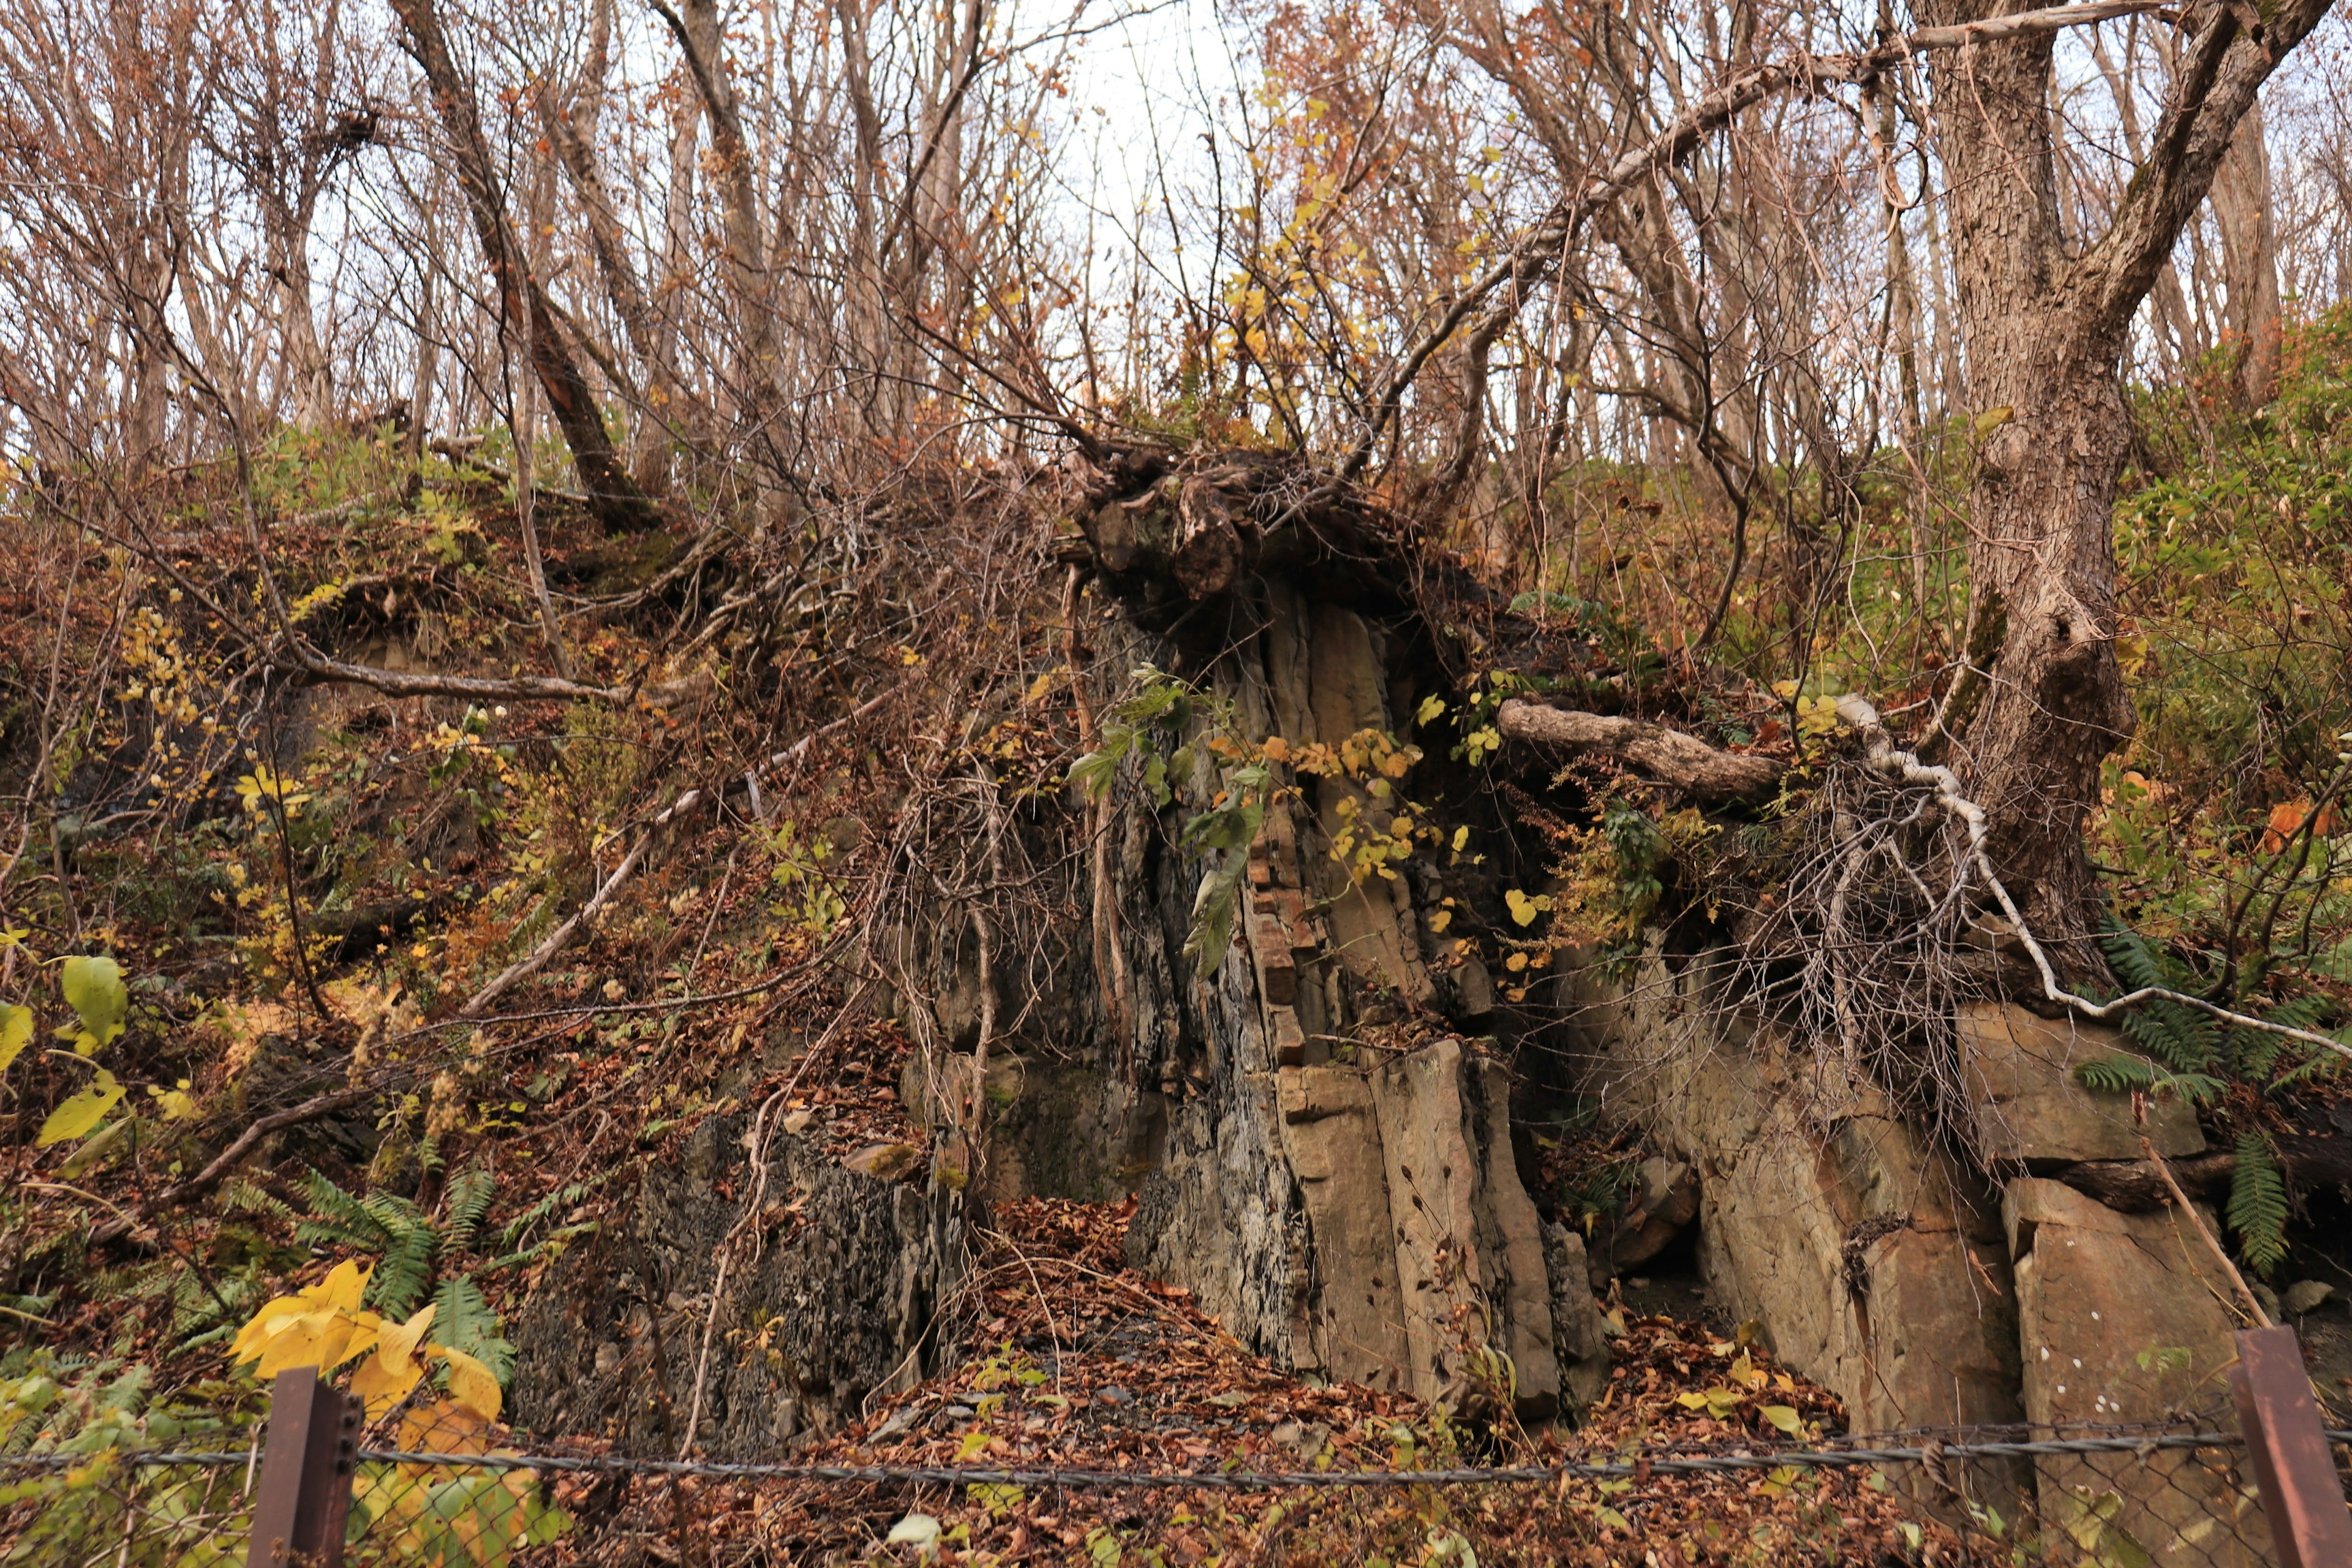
(957, 1412)
(1112, 1393)
(1637, 1283)
(885, 1162)
(2305, 1296)
(2268, 1299)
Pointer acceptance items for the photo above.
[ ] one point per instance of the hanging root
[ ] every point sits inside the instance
(1864, 946)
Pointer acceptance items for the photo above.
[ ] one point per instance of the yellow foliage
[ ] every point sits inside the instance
(471, 1383)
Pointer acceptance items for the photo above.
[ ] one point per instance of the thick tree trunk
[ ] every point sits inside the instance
(2041, 701)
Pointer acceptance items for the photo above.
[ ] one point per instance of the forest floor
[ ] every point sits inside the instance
(1079, 1362)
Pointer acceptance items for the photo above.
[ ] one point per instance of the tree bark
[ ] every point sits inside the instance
(2242, 211)
(2044, 326)
(612, 495)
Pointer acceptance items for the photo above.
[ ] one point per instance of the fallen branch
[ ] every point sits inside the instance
(531, 965)
(1684, 762)
(226, 1161)
(2134, 1186)
(313, 668)
(2212, 1242)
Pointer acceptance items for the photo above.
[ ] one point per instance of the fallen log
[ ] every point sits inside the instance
(1686, 763)
(2134, 1186)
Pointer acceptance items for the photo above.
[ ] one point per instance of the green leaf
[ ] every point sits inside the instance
(94, 990)
(1783, 1417)
(16, 1032)
(82, 1113)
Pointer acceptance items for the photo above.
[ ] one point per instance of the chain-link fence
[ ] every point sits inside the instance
(2108, 1496)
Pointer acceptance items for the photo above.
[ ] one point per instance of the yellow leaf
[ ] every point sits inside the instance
(95, 1150)
(94, 990)
(83, 1111)
(1691, 1401)
(264, 1323)
(342, 1286)
(1783, 1418)
(471, 1383)
(303, 1342)
(16, 1032)
(445, 1426)
(398, 1344)
(365, 1327)
(383, 1383)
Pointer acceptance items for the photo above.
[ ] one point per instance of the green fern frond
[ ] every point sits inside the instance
(2121, 1075)
(548, 1246)
(338, 1219)
(563, 1198)
(2116, 1075)
(468, 1200)
(464, 1321)
(2180, 1037)
(2305, 1012)
(2258, 1204)
(411, 1245)
(240, 1196)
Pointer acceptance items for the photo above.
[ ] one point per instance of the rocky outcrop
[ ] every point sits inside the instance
(836, 1289)
(2030, 1111)
(1874, 1263)
(2122, 1319)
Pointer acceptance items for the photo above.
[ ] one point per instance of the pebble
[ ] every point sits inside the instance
(1112, 1393)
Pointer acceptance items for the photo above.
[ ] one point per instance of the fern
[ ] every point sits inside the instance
(464, 1321)
(467, 1201)
(240, 1195)
(2258, 1204)
(2180, 1037)
(2121, 1075)
(404, 1240)
(338, 1219)
(411, 1244)
(563, 1198)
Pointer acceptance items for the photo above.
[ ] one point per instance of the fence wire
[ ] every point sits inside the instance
(2084, 1498)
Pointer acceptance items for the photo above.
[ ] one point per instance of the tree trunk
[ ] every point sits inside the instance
(2044, 326)
(2242, 211)
(523, 304)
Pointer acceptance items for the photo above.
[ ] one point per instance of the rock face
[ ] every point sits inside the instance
(2029, 1109)
(1874, 1264)
(1579, 1333)
(836, 1290)
(2123, 1320)
(1348, 1210)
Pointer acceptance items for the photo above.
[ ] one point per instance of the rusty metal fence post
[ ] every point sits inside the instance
(2310, 1525)
(304, 1498)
